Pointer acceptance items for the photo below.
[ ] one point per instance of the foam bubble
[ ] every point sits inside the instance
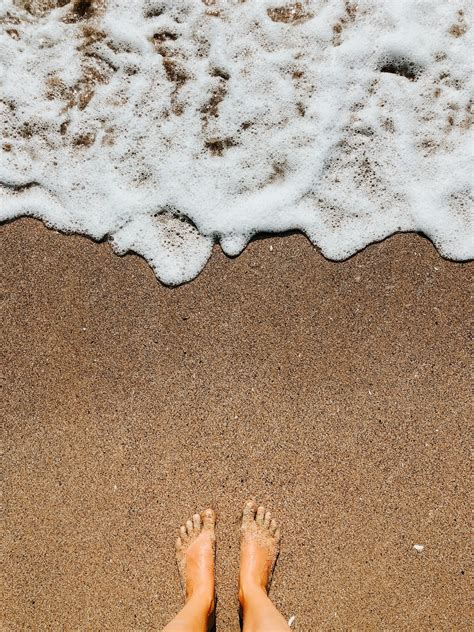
(174, 124)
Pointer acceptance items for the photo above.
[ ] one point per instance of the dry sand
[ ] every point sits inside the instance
(337, 393)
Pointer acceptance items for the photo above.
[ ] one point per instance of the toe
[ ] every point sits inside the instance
(267, 519)
(277, 535)
(249, 512)
(178, 543)
(182, 532)
(260, 515)
(197, 522)
(273, 526)
(209, 519)
(189, 527)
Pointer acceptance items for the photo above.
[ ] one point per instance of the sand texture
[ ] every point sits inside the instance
(336, 393)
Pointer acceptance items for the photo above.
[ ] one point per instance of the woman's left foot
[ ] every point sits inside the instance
(195, 553)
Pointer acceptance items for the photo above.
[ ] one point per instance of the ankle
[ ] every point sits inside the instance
(249, 590)
(204, 600)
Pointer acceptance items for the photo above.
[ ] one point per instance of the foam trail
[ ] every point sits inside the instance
(169, 125)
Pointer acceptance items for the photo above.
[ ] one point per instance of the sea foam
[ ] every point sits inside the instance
(169, 125)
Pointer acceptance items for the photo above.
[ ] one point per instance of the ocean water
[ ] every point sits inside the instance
(167, 126)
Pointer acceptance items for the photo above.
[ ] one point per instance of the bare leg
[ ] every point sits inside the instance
(195, 552)
(259, 548)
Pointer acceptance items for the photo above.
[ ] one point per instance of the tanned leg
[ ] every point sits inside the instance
(195, 553)
(259, 547)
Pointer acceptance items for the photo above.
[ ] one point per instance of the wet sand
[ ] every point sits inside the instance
(336, 393)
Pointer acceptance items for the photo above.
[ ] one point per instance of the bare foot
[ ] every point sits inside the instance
(195, 552)
(259, 548)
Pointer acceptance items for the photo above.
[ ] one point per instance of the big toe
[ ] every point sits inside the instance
(209, 519)
(249, 511)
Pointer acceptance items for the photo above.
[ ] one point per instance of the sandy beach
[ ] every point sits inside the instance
(336, 393)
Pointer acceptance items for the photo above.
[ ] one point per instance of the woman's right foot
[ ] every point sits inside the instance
(259, 548)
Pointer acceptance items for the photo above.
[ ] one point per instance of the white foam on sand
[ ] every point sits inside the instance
(169, 125)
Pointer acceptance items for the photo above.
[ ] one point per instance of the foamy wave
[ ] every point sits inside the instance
(170, 125)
